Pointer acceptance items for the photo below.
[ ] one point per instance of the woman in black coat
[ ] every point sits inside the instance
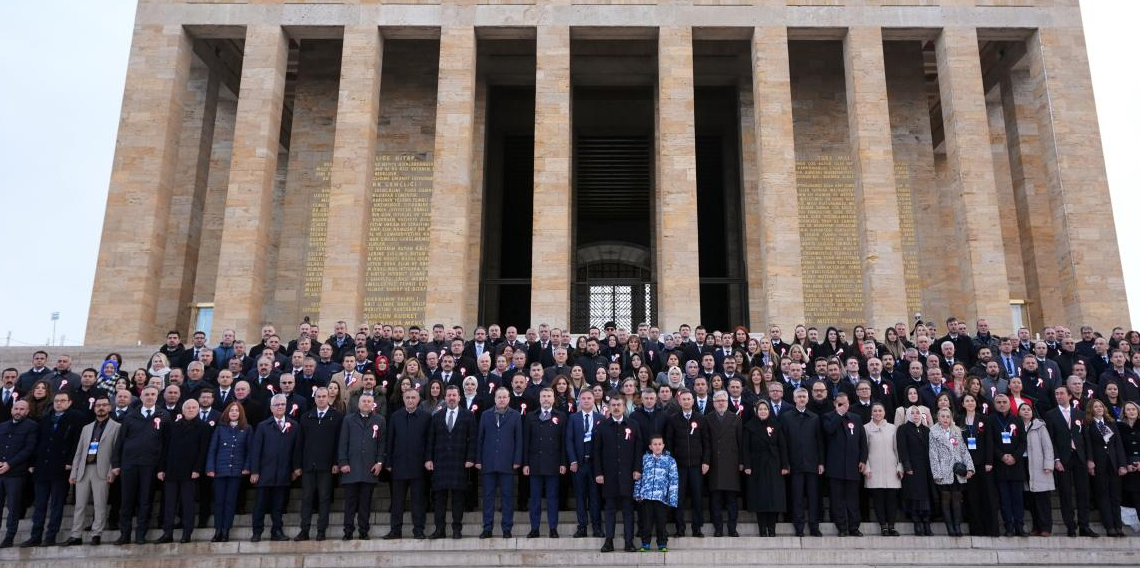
(183, 462)
(913, 440)
(765, 454)
(981, 493)
(1129, 427)
(1107, 464)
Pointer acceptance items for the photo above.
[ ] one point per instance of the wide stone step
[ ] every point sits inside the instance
(784, 551)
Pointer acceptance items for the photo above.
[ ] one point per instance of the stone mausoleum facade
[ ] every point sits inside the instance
(574, 161)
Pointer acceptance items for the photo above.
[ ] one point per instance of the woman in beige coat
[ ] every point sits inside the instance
(1039, 448)
(883, 472)
(910, 396)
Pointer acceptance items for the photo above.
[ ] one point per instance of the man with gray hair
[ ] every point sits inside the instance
(271, 467)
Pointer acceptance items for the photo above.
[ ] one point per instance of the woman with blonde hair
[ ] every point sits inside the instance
(950, 466)
(883, 471)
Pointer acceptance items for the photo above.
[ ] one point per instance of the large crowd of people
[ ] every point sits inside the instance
(916, 426)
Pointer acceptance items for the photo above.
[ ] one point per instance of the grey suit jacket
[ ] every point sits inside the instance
(103, 458)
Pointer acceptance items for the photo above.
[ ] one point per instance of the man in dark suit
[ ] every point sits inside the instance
(498, 453)
(650, 419)
(55, 446)
(451, 454)
(407, 454)
(8, 393)
(17, 449)
(725, 436)
(928, 393)
(1070, 472)
(271, 467)
(617, 465)
(477, 346)
(846, 459)
(316, 458)
(144, 433)
(687, 438)
(805, 455)
(579, 448)
(544, 459)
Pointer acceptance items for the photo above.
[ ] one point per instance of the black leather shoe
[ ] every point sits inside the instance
(363, 536)
(815, 532)
(393, 536)
(164, 539)
(733, 534)
(717, 533)
(533, 534)
(96, 540)
(31, 542)
(226, 535)
(553, 533)
(485, 534)
(320, 536)
(1087, 531)
(841, 534)
(436, 535)
(456, 535)
(301, 536)
(217, 536)
(278, 537)
(507, 534)
(608, 545)
(140, 540)
(800, 533)
(418, 536)
(73, 541)
(6, 543)
(347, 536)
(48, 541)
(698, 534)
(185, 539)
(679, 533)
(629, 547)
(580, 533)
(255, 538)
(855, 532)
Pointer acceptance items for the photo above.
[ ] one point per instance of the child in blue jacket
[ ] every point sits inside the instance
(656, 491)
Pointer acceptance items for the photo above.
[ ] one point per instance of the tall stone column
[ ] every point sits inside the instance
(449, 270)
(243, 258)
(354, 151)
(876, 198)
(551, 235)
(1091, 279)
(780, 270)
(973, 192)
(125, 295)
(1031, 199)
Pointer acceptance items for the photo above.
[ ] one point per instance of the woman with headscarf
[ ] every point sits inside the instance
(108, 374)
(913, 440)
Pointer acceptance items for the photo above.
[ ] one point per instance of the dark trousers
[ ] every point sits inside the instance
(523, 489)
(587, 499)
(358, 507)
(173, 494)
(316, 486)
(205, 499)
(766, 522)
(653, 518)
(12, 495)
(626, 506)
(137, 485)
(690, 487)
(982, 503)
(271, 499)
(1107, 489)
(543, 487)
(844, 503)
(1075, 479)
(1012, 505)
(721, 500)
(418, 488)
(458, 504)
(114, 502)
(1042, 509)
(504, 485)
(225, 501)
(805, 495)
(50, 495)
(886, 504)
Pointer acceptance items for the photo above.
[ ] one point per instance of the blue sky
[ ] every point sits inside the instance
(59, 111)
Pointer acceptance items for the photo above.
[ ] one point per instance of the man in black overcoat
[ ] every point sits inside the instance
(451, 455)
(617, 464)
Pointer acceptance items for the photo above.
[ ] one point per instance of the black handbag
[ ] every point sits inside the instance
(960, 469)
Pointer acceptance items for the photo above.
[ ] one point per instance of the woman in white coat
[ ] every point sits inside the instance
(948, 450)
(883, 472)
(1039, 449)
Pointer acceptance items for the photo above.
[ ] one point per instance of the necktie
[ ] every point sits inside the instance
(776, 409)
(320, 415)
(7, 396)
(702, 405)
(545, 415)
(281, 425)
(1101, 428)
(1065, 411)
(202, 415)
(146, 414)
(1009, 366)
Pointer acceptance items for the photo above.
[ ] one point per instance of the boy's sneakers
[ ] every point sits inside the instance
(662, 549)
(644, 547)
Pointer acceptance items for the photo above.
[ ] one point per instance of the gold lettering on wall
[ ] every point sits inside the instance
(398, 247)
(909, 242)
(829, 237)
(318, 232)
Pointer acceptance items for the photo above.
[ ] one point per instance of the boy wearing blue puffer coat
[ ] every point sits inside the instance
(656, 492)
